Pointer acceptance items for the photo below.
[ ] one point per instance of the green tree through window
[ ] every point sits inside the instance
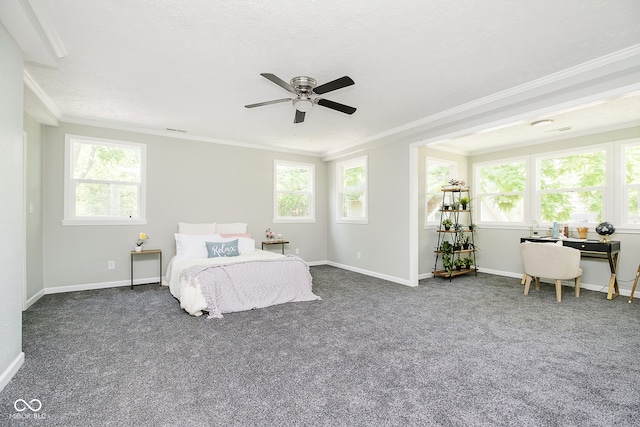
(294, 190)
(104, 180)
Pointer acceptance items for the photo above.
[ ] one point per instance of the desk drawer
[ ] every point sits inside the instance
(594, 246)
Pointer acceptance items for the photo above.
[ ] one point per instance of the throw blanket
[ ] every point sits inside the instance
(247, 285)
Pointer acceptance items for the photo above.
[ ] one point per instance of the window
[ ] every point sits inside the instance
(501, 191)
(437, 174)
(352, 191)
(631, 184)
(104, 181)
(294, 199)
(572, 187)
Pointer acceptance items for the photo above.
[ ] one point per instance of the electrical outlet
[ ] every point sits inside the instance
(358, 255)
(297, 251)
(111, 265)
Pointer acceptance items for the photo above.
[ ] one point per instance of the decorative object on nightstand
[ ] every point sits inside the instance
(142, 237)
(269, 234)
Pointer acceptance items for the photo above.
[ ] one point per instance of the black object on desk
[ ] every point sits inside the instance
(591, 249)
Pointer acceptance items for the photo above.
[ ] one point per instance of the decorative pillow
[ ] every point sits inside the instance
(193, 245)
(245, 244)
(222, 249)
(202, 228)
(231, 228)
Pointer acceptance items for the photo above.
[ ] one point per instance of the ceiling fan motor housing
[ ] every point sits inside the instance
(303, 84)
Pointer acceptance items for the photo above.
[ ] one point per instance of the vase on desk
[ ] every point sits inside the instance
(139, 248)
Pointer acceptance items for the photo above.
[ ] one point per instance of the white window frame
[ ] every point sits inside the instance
(70, 184)
(311, 170)
(453, 168)
(621, 192)
(340, 168)
(526, 193)
(607, 189)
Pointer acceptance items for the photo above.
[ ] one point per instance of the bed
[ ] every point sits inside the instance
(218, 270)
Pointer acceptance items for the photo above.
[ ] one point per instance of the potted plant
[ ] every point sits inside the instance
(464, 201)
(446, 263)
(445, 206)
(467, 262)
(447, 223)
(455, 205)
(446, 247)
(466, 242)
(459, 262)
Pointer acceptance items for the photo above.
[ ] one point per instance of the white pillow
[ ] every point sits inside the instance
(231, 228)
(193, 245)
(245, 244)
(202, 228)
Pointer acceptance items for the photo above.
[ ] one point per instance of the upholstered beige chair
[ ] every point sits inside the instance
(552, 262)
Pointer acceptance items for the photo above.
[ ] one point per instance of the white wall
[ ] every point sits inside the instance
(187, 181)
(383, 242)
(35, 274)
(12, 246)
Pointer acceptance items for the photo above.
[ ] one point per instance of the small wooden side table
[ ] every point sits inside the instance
(275, 242)
(147, 252)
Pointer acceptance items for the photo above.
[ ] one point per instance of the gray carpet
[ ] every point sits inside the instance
(470, 352)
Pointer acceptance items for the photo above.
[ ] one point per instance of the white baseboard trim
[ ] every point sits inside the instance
(371, 273)
(588, 286)
(33, 299)
(94, 286)
(13, 368)
(316, 263)
(425, 276)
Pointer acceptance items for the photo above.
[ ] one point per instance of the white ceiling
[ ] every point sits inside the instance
(157, 64)
(607, 114)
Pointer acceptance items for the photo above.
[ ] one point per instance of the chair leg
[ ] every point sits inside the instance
(527, 283)
(635, 282)
(537, 283)
(577, 287)
(559, 290)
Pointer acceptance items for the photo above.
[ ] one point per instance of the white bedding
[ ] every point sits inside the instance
(190, 294)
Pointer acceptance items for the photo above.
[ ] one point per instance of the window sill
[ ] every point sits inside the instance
(352, 221)
(103, 222)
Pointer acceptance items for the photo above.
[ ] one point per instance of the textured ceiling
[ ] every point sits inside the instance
(193, 65)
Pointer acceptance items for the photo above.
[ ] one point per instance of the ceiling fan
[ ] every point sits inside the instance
(304, 88)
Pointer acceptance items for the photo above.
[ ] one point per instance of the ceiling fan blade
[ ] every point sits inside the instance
(277, 80)
(299, 117)
(336, 106)
(334, 85)
(260, 104)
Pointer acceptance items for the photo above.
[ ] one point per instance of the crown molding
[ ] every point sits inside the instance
(622, 61)
(178, 135)
(30, 26)
(46, 27)
(49, 113)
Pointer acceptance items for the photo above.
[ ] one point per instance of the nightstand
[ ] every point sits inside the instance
(275, 242)
(147, 252)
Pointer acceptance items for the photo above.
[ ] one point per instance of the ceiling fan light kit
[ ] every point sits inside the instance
(304, 88)
(543, 122)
